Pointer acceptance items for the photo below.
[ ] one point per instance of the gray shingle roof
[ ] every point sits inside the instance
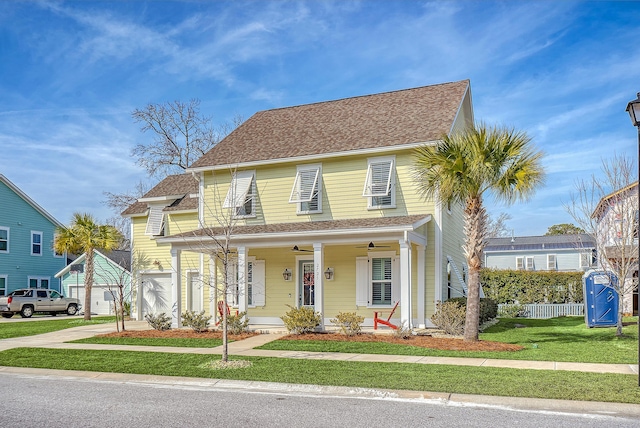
(388, 119)
(310, 226)
(549, 242)
(179, 186)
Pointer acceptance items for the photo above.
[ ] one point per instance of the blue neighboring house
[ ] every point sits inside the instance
(27, 231)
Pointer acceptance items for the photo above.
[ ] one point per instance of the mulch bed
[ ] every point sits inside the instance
(177, 334)
(443, 343)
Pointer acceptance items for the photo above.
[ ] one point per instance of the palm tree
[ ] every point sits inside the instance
(461, 168)
(84, 235)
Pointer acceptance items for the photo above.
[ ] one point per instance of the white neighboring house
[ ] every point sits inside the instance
(564, 253)
(617, 238)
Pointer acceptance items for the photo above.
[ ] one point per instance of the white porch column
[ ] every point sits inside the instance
(422, 291)
(318, 280)
(140, 299)
(176, 289)
(405, 284)
(242, 279)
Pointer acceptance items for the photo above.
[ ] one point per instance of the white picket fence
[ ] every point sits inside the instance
(549, 310)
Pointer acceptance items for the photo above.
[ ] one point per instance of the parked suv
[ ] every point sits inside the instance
(28, 301)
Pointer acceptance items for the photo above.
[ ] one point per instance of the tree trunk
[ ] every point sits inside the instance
(225, 338)
(88, 283)
(475, 223)
(620, 312)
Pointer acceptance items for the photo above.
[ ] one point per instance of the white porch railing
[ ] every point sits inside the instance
(548, 310)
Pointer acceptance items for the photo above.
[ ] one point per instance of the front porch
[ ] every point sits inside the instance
(360, 265)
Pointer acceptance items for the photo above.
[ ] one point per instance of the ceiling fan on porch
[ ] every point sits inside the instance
(371, 246)
(295, 248)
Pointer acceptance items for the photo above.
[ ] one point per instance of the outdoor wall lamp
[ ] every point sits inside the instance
(328, 274)
(286, 274)
(633, 108)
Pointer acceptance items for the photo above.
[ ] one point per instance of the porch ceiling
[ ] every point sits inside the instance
(331, 231)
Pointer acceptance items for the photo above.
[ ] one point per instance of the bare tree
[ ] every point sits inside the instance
(117, 280)
(606, 207)
(119, 202)
(181, 136)
(497, 226)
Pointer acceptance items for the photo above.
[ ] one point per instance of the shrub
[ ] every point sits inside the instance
(508, 286)
(237, 324)
(402, 332)
(301, 320)
(488, 308)
(196, 320)
(349, 323)
(512, 311)
(449, 317)
(160, 322)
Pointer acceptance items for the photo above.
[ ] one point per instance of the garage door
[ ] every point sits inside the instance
(156, 294)
(101, 299)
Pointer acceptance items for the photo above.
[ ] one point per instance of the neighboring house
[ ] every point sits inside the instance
(27, 231)
(324, 209)
(553, 252)
(111, 270)
(617, 234)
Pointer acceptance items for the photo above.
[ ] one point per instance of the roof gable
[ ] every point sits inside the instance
(396, 118)
(15, 189)
(174, 190)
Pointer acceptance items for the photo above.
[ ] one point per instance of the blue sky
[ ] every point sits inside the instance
(71, 73)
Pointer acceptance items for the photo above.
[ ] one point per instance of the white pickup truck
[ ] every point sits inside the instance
(28, 301)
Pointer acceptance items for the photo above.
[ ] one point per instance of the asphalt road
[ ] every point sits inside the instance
(30, 400)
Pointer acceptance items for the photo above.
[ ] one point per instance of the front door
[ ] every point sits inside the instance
(306, 283)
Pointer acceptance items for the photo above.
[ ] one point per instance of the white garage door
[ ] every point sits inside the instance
(101, 299)
(156, 294)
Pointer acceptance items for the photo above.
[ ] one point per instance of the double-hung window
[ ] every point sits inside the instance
(254, 283)
(38, 282)
(551, 262)
(306, 191)
(519, 263)
(36, 243)
(3, 285)
(4, 239)
(379, 186)
(377, 280)
(530, 265)
(241, 195)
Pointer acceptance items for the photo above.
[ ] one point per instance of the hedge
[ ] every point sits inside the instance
(525, 287)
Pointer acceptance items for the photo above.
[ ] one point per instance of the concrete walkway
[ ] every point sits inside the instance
(246, 347)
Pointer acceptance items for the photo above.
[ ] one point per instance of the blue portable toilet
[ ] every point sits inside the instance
(600, 298)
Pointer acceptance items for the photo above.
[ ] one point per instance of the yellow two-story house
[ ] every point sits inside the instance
(316, 206)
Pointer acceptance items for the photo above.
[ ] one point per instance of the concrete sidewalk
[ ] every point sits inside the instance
(247, 347)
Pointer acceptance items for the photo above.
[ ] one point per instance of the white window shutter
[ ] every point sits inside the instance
(258, 283)
(304, 186)
(362, 281)
(378, 181)
(238, 189)
(395, 280)
(155, 221)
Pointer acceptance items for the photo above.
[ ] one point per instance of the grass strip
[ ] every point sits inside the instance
(558, 339)
(418, 377)
(9, 330)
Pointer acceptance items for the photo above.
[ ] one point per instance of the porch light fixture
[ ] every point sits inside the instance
(286, 274)
(328, 274)
(633, 108)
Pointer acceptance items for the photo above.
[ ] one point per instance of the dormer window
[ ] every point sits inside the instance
(306, 189)
(241, 194)
(380, 183)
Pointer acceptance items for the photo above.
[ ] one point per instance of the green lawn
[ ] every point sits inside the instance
(419, 377)
(31, 328)
(556, 339)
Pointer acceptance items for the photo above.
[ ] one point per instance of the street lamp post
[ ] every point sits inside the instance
(633, 108)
